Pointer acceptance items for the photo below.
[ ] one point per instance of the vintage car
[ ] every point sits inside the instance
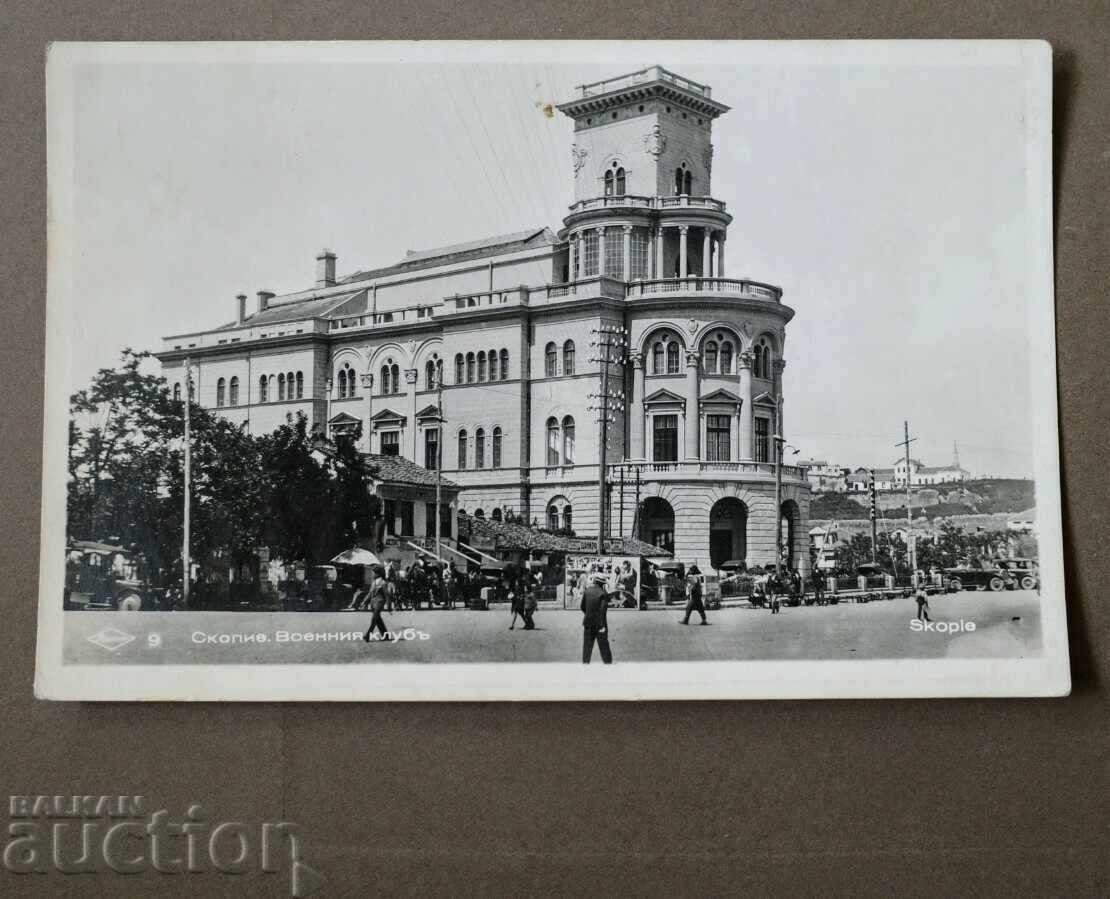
(988, 577)
(104, 576)
(1026, 571)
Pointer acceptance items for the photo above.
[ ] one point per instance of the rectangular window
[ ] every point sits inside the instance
(665, 438)
(390, 507)
(429, 520)
(431, 449)
(614, 253)
(408, 513)
(718, 438)
(762, 440)
(391, 443)
(639, 253)
(588, 243)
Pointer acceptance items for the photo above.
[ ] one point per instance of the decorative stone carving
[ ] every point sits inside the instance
(692, 359)
(367, 380)
(745, 359)
(578, 156)
(692, 326)
(746, 327)
(410, 375)
(655, 141)
(707, 158)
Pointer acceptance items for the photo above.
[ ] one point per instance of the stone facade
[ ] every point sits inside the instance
(695, 378)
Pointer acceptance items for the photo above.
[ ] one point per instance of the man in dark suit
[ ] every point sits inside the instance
(376, 586)
(595, 624)
(693, 595)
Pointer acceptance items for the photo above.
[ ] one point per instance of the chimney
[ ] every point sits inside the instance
(325, 268)
(264, 297)
(241, 308)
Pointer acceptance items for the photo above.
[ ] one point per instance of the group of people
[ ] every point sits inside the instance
(420, 585)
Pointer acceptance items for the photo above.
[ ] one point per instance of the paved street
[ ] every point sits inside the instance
(1006, 625)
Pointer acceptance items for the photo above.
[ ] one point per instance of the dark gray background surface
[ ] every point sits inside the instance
(930, 798)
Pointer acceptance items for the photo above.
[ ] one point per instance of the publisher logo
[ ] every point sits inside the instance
(110, 638)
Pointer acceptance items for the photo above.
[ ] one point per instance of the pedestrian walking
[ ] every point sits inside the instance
(773, 588)
(530, 606)
(595, 622)
(377, 604)
(922, 603)
(694, 601)
(516, 606)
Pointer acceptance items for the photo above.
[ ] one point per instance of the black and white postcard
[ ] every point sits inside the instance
(553, 370)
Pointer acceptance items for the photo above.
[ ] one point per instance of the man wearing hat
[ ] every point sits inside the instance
(595, 625)
(693, 595)
(376, 577)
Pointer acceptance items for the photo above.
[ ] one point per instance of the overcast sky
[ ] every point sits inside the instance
(887, 200)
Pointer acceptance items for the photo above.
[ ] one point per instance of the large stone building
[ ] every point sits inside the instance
(510, 321)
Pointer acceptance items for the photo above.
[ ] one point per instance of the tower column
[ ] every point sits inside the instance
(693, 417)
(650, 273)
(683, 270)
(410, 380)
(706, 253)
(659, 252)
(601, 251)
(572, 270)
(627, 253)
(720, 254)
(744, 361)
(637, 434)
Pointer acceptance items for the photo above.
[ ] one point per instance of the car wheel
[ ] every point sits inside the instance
(1028, 582)
(955, 585)
(996, 584)
(132, 602)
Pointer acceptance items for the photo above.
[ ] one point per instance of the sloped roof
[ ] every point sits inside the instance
(474, 249)
(295, 310)
(721, 395)
(399, 470)
(521, 537)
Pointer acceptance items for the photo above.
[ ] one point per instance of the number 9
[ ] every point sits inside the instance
(153, 640)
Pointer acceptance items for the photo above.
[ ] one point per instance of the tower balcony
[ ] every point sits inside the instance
(628, 201)
(740, 288)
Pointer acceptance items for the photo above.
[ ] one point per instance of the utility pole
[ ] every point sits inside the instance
(185, 566)
(778, 502)
(610, 339)
(439, 460)
(874, 521)
(912, 555)
(622, 504)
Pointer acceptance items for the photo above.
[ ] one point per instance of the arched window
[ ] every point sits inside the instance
(290, 381)
(481, 366)
(504, 364)
(341, 381)
(688, 183)
(459, 370)
(480, 448)
(177, 392)
(395, 375)
(657, 358)
(470, 368)
(763, 359)
(552, 518)
(430, 375)
(263, 389)
(568, 358)
(221, 391)
(711, 357)
(608, 183)
(726, 358)
(552, 442)
(549, 357)
(495, 514)
(496, 447)
(233, 391)
(620, 183)
(386, 379)
(672, 358)
(462, 450)
(300, 384)
(281, 388)
(678, 181)
(493, 375)
(568, 440)
(480, 513)
(568, 518)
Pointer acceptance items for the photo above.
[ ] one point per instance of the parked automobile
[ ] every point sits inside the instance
(1026, 571)
(105, 576)
(988, 577)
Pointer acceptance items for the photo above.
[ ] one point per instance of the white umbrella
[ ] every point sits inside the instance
(356, 556)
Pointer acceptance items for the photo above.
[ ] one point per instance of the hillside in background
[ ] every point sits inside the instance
(987, 496)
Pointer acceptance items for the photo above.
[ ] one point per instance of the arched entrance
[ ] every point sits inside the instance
(728, 531)
(791, 522)
(657, 523)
